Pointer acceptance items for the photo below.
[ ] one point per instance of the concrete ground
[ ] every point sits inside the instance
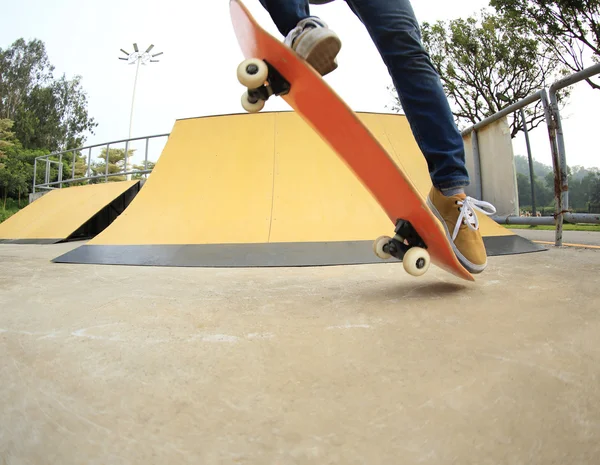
(349, 365)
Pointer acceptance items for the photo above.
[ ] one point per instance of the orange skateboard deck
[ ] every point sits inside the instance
(272, 68)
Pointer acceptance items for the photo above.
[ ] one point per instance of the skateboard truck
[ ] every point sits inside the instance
(262, 81)
(407, 246)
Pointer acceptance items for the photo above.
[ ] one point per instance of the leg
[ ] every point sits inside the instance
(395, 31)
(286, 14)
(307, 35)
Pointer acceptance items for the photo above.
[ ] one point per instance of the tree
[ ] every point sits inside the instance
(569, 28)
(140, 167)
(23, 67)
(49, 113)
(595, 190)
(6, 138)
(484, 65)
(116, 163)
(543, 194)
(13, 178)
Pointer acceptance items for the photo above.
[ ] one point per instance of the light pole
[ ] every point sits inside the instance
(136, 58)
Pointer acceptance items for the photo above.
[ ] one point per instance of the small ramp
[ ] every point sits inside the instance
(259, 190)
(71, 213)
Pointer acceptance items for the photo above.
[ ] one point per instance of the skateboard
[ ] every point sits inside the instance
(271, 68)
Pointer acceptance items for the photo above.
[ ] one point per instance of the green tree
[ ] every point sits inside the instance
(116, 163)
(569, 28)
(49, 113)
(23, 67)
(539, 169)
(6, 138)
(484, 65)
(13, 178)
(595, 190)
(544, 196)
(140, 167)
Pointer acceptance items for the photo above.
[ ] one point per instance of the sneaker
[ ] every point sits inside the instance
(457, 214)
(316, 43)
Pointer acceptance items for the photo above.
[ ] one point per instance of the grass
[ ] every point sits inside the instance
(5, 214)
(566, 227)
(12, 207)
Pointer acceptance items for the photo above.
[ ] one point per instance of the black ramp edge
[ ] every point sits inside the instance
(103, 218)
(29, 241)
(227, 255)
(259, 255)
(510, 245)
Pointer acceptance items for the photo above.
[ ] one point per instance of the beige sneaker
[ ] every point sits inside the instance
(316, 43)
(457, 214)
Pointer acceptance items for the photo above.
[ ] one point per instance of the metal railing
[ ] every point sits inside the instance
(552, 117)
(58, 158)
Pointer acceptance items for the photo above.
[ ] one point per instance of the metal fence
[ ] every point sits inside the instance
(548, 98)
(59, 159)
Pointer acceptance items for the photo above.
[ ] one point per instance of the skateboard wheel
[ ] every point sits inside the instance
(416, 261)
(252, 73)
(252, 105)
(378, 245)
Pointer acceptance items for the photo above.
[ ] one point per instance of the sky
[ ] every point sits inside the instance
(196, 75)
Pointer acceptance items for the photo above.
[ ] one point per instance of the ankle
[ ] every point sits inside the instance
(450, 191)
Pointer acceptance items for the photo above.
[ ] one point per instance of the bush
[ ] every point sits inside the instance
(12, 207)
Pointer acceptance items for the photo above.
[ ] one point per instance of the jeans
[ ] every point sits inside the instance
(395, 31)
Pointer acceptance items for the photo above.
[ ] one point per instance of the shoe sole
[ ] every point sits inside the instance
(471, 267)
(320, 51)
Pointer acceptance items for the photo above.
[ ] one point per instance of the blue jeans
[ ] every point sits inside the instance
(395, 31)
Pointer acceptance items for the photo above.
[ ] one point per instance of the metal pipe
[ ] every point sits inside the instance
(504, 112)
(114, 142)
(583, 218)
(146, 155)
(126, 166)
(575, 78)
(562, 156)
(60, 168)
(550, 122)
(477, 165)
(89, 163)
(34, 175)
(99, 176)
(73, 167)
(107, 157)
(529, 156)
(524, 220)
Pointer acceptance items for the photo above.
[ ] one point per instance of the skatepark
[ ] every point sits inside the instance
(211, 293)
(245, 319)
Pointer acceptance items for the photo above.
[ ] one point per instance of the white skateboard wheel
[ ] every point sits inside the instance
(416, 261)
(252, 73)
(251, 107)
(378, 245)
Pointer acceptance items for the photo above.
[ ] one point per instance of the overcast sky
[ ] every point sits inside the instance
(196, 74)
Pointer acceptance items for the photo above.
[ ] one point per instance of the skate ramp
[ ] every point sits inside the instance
(77, 212)
(260, 190)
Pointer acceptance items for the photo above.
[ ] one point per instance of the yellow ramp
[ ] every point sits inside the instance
(66, 213)
(255, 190)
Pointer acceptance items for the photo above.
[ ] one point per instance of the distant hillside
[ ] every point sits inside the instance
(539, 169)
(584, 185)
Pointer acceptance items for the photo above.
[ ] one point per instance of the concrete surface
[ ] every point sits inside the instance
(349, 365)
(571, 237)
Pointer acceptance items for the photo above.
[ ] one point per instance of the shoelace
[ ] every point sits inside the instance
(468, 215)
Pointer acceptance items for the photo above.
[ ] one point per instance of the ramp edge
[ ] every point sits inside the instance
(286, 254)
